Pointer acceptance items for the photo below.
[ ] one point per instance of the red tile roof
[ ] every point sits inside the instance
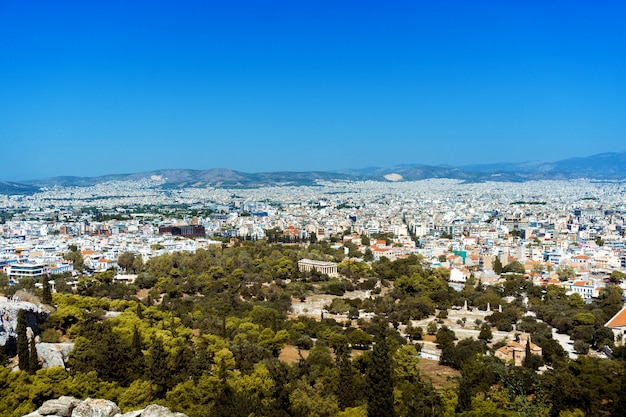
(618, 320)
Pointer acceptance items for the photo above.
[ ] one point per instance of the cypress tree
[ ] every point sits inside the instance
(157, 367)
(497, 266)
(46, 298)
(182, 366)
(139, 311)
(620, 407)
(22, 341)
(528, 356)
(4, 358)
(347, 395)
(33, 360)
(202, 360)
(136, 355)
(379, 377)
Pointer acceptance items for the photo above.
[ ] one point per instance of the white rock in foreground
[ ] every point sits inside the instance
(96, 408)
(72, 407)
(54, 354)
(62, 407)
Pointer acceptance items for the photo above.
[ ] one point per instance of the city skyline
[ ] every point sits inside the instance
(91, 90)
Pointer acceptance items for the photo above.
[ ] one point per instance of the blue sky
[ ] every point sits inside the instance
(90, 88)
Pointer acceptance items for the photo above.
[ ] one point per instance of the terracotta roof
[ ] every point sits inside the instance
(618, 320)
(515, 345)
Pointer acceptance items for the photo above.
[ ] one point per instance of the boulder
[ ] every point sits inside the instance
(61, 407)
(96, 408)
(72, 407)
(133, 413)
(154, 410)
(54, 354)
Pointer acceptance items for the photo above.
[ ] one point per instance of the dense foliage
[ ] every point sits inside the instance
(202, 334)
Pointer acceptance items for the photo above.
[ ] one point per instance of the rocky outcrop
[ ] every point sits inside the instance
(53, 354)
(72, 407)
(8, 316)
(96, 408)
(154, 410)
(62, 406)
(49, 354)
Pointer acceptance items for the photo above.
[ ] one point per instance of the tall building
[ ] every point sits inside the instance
(186, 231)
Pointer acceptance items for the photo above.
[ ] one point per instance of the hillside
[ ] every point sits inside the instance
(606, 166)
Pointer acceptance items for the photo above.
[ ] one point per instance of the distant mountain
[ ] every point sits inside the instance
(217, 177)
(608, 166)
(13, 188)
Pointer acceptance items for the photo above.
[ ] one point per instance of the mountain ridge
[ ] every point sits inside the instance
(603, 166)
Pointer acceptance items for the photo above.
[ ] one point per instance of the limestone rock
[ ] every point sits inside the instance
(136, 413)
(154, 410)
(54, 354)
(61, 407)
(96, 408)
(72, 407)
(8, 316)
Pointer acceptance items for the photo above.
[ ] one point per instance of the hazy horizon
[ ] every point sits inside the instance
(341, 169)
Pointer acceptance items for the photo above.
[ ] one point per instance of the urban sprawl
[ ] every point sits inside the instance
(572, 229)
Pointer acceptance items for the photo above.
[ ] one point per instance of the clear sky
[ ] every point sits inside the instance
(96, 87)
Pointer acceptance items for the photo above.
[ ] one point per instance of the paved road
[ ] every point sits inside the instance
(565, 341)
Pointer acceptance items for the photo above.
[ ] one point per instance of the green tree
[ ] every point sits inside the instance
(309, 401)
(138, 264)
(581, 347)
(464, 351)
(360, 339)
(617, 276)
(531, 361)
(4, 281)
(485, 332)
(136, 358)
(22, 341)
(497, 266)
(347, 390)
(379, 379)
(46, 297)
(515, 266)
(620, 408)
(102, 350)
(565, 272)
(33, 360)
(576, 300)
(157, 368)
(76, 257)
(126, 261)
(445, 337)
